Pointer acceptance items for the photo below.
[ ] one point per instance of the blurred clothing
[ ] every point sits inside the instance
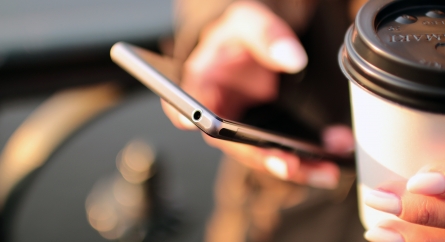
(256, 207)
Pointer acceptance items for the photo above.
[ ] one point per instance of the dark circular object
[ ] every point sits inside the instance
(197, 114)
(404, 63)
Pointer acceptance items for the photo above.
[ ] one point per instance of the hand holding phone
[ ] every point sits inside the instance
(152, 70)
(236, 66)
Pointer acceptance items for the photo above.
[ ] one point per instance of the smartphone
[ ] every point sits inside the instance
(156, 72)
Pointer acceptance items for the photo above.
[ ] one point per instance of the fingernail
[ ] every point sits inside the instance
(338, 148)
(428, 183)
(338, 140)
(379, 234)
(289, 54)
(383, 201)
(277, 167)
(186, 122)
(321, 179)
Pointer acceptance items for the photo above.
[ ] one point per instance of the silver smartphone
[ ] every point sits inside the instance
(156, 72)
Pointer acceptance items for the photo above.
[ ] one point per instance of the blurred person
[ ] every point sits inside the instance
(235, 65)
(235, 54)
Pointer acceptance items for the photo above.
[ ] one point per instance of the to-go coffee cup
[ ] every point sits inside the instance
(394, 58)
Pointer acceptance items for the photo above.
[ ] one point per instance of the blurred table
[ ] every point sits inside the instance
(52, 204)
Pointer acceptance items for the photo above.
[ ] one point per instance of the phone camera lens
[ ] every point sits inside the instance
(197, 115)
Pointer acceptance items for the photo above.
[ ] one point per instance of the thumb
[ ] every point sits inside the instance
(393, 198)
(267, 37)
(429, 181)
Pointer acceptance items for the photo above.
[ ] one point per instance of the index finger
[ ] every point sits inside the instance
(415, 208)
(281, 164)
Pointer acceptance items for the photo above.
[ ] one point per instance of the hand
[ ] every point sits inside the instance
(235, 67)
(419, 202)
(235, 64)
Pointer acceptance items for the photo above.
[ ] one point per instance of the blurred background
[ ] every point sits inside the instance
(87, 153)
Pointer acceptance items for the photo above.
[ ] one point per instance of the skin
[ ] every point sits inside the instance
(422, 214)
(230, 59)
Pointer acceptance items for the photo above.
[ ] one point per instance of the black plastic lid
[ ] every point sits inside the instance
(396, 49)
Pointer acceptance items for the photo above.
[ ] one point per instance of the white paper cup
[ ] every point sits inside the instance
(395, 68)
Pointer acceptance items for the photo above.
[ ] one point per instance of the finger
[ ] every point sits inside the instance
(267, 36)
(419, 209)
(235, 63)
(283, 165)
(229, 82)
(429, 181)
(320, 174)
(395, 231)
(338, 139)
(255, 157)
(256, 28)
